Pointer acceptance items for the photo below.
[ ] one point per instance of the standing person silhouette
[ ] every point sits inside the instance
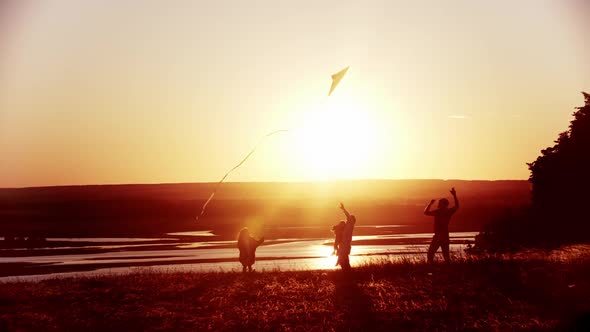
(442, 216)
(247, 246)
(346, 242)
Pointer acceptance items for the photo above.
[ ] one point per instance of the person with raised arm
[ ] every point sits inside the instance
(442, 216)
(346, 242)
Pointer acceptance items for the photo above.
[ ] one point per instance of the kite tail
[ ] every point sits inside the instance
(235, 167)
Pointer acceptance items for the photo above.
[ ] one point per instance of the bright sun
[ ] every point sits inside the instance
(337, 141)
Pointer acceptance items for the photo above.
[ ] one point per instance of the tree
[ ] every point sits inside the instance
(560, 179)
(560, 209)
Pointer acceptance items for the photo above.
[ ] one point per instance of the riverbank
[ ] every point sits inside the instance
(481, 294)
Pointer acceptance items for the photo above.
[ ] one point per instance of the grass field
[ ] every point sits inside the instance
(473, 294)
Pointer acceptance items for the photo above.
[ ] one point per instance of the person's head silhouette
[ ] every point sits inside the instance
(244, 233)
(443, 203)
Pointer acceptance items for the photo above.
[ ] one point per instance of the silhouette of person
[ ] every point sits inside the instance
(338, 231)
(346, 243)
(442, 216)
(247, 246)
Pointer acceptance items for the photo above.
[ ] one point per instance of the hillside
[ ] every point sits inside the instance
(154, 209)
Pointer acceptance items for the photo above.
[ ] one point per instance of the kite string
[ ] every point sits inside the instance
(336, 78)
(235, 167)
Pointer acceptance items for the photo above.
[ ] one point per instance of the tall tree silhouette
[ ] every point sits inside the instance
(560, 179)
(560, 209)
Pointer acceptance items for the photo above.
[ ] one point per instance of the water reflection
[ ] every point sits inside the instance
(195, 233)
(106, 239)
(277, 254)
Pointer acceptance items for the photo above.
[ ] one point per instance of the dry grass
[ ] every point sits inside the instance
(470, 294)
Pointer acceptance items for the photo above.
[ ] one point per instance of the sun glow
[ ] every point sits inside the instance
(337, 140)
(326, 258)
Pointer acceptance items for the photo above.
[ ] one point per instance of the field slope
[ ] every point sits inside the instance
(481, 294)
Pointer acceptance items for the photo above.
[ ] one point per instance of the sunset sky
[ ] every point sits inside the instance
(115, 91)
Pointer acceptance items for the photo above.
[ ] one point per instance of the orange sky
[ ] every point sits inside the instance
(179, 91)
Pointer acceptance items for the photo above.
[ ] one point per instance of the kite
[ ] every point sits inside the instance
(336, 78)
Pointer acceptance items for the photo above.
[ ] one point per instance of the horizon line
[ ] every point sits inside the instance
(257, 182)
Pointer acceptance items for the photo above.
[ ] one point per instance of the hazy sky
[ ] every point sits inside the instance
(119, 91)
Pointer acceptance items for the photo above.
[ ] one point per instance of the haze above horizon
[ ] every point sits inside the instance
(178, 91)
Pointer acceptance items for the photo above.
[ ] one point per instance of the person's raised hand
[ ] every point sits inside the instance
(341, 206)
(453, 191)
(432, 201)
